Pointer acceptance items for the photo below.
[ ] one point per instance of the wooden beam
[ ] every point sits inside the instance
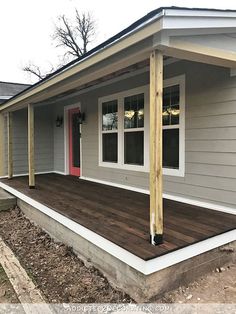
(156, 201)
(9, 145)
(31, 146)
(2, 137)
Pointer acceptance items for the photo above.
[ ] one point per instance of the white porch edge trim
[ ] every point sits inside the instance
(145, 267)
(181, 199)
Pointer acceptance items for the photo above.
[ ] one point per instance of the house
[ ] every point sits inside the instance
(8, 89)
(129, 153)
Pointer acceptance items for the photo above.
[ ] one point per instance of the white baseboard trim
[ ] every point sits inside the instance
(117, 185)
(36, 173)
(60, 172)
(221, 208)
(172, 197)
(145, 267)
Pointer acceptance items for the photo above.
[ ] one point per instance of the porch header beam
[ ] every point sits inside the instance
(156, 201)
(9, 145)
(31, 146)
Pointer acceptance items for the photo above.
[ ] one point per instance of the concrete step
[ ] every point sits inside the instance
(7, 201)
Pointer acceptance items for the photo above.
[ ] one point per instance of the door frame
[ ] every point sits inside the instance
(67, 138)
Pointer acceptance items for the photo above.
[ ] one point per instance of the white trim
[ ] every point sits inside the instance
(26, 174)
(66, 138)
(221, 208)
(117, 185)
(120, 131)
(59, 172)
(145, 267)
(178, 80)
(36, 173)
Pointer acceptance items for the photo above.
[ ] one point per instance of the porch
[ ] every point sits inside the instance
(122, 216)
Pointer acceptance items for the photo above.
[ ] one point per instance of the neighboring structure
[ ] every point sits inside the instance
(8, 89)
(152, 110)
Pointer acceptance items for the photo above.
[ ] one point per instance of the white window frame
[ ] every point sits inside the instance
(120, 131)
(177, 80)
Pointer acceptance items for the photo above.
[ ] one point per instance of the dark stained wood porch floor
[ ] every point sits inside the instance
(122, 216)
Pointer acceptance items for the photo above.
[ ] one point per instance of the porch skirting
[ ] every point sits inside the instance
(142, 287)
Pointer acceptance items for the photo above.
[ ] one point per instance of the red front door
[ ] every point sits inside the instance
(74, 142)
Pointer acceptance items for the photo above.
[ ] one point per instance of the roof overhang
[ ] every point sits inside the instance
(174, 30)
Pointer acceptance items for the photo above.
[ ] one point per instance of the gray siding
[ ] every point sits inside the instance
(43, 141)
(210, 154)
(210, 134)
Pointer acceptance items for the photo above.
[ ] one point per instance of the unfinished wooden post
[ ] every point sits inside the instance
(9, 145)
(2, 172)
(31, 146)
(156, 201)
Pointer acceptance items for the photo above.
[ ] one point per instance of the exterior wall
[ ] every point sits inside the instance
(43, 141)
(210, 147)
(210, 136)
(210, 173)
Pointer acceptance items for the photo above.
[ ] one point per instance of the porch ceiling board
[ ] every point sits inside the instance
(110, 212)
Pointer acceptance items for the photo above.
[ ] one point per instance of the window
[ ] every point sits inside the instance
(173, 126)
(124, 128)
(123, 139)
(134, 129)
(170, 121)
(110, 131)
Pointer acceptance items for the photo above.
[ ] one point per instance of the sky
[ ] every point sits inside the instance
(27, 26)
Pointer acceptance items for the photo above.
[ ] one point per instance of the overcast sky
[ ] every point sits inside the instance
(26, 26)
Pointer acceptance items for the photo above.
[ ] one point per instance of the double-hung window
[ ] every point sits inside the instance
(134, 130)
(124, 128)
(173, 126)
(110, 131)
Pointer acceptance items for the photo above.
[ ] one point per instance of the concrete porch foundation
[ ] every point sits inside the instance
(139, 286)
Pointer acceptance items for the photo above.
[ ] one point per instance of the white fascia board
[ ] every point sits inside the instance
(199, 13)
(198, 22)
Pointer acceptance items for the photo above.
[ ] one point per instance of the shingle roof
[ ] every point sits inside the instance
(8, 89)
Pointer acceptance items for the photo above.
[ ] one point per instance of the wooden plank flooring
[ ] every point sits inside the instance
(122, 216)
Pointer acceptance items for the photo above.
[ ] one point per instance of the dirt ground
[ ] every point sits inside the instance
(54, 268)
(62, 277)
(217, 287)
(7, 293)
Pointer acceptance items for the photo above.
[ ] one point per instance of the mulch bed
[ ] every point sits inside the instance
(55, 269)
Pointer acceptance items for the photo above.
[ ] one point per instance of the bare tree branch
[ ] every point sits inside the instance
(36, 71)
(74, 37)
(33, 69)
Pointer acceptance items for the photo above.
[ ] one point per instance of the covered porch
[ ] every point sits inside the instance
(122, 216)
